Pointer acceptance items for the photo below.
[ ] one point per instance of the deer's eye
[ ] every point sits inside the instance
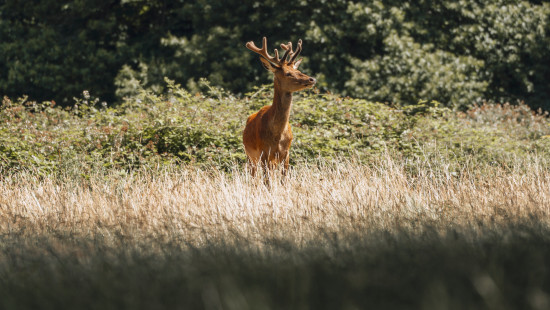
(288, 74)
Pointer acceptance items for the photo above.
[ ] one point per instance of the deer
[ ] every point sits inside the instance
(267, 135)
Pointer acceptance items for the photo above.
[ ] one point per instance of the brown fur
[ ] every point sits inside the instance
(267, 136)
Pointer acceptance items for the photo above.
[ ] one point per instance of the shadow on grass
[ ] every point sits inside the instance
(504, 267)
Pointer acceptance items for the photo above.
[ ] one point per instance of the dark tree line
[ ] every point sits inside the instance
(455, 52)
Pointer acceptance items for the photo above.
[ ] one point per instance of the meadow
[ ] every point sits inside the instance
(147, 205)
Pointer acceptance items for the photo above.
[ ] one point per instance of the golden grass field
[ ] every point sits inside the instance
(340, 197)
(393, 234)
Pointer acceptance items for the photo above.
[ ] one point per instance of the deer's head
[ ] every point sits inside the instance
(285, 69)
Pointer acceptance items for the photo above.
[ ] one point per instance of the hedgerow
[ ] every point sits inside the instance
(178, 127)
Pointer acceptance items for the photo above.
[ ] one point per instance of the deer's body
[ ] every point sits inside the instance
(267, 136)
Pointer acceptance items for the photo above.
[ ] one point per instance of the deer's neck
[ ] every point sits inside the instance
(280, 110)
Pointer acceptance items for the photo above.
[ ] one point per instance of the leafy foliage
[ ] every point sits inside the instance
(55, 49)
(408, 71)
(456, 52)
(206, 128)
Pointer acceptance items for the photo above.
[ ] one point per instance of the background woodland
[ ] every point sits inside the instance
(396, 51)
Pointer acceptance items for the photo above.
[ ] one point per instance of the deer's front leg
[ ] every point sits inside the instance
(285, 167)
(252, 168)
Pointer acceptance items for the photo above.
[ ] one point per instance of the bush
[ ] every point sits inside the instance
(408, 72)
(206, 129)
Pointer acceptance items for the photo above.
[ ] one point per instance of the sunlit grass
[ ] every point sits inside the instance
(394, 233)
(341, 196)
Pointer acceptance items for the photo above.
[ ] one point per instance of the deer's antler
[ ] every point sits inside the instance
(275, 60)
(288, 49)
(263, 51)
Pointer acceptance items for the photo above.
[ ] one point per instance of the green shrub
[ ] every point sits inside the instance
(408, 72)
(206, 129)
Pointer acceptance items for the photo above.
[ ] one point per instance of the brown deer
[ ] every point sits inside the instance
(267, 135)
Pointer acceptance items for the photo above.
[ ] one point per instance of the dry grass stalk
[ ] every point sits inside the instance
(195, 206)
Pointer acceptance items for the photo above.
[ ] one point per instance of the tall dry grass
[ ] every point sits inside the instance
(393, 234)
(340, 198)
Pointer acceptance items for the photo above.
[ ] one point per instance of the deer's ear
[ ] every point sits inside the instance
(297, 63)
(267, 65)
